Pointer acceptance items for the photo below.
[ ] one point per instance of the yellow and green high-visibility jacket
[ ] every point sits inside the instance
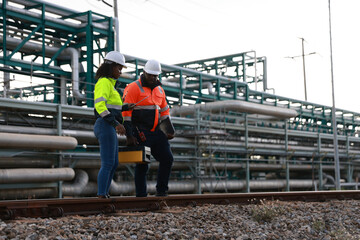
(108, 103)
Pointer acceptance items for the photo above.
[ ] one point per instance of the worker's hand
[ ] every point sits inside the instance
(127, 106)
(131, 141)
(170, 136)
(131, 105)
(120, 129)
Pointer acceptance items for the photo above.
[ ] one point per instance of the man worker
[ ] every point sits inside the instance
(142, 126)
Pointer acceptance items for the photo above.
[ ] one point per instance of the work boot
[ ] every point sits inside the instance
(161, 194)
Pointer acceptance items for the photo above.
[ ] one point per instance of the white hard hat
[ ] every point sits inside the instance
(116, 57)
(152, 67)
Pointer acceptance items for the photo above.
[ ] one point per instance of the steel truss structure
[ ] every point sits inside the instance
(252, 141)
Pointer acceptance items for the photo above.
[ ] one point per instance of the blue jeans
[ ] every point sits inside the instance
(160, 150)
(106, 134)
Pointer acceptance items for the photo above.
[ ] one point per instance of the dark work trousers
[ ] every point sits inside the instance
(106, 134)
(160, 150)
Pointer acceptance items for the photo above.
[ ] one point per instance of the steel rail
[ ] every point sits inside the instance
(87, 206)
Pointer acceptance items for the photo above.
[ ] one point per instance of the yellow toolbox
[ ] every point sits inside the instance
(134, 154)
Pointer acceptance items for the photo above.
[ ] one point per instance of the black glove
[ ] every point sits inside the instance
(131, 141)
(128, 128)
(127, 107)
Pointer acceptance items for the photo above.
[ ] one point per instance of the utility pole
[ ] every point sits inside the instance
(334, 124)
(115, 9)
(117, 30)
(303, 59)
(116, 23)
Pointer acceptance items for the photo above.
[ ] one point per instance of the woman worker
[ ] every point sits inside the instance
(108, 107)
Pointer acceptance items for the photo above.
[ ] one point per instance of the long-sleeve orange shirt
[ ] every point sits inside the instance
(151, 110)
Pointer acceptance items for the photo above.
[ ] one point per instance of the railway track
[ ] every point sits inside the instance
(86, 206)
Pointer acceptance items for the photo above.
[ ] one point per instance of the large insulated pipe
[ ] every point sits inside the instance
(125, 188)
(234, 105)
(75, 72)
(31, 47)
(13, 140)
(81, 135)
(35, 175)
(79, 183)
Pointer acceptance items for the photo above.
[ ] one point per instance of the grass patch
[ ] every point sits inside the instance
(267, 211)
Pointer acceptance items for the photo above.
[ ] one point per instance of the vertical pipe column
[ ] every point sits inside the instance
(265, 75)
(255, 80)
(90, 61)
(286, 136)
(313, 172)
(200, 88)
(136, 69)
(6, 74)
(350, 167)
(181, 88)
(247, 169)
(287, 171)
(43, 35)
(320, 165)
(235, 90)
(218, 88)
(287, 175)
(349, 171)
(3, 6)
(321, 184)
(59, 130)
(198, 159)
(63, 90)
(244, 68)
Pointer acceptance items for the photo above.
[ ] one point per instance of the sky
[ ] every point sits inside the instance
(175, 31)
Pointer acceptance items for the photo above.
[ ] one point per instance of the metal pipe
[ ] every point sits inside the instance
(172, 68)
(35, 175)
(63, 99)
(206, 186)
(175, 82)
(13, 140)
(53, 8)
(235, 105)
(75, 72)
(126, 188)
(82, 136)
(30, 47)
(75, 188)
(88, 137)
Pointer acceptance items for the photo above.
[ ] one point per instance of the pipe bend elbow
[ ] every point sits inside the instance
(75, 72)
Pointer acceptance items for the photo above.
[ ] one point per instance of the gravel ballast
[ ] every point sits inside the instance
(267, 220)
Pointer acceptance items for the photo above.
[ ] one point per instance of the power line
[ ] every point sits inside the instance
(303, 59)
(125, 12)
(169, 10)
(107, 3)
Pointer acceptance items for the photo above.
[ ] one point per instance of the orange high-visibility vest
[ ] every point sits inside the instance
(150, 111)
